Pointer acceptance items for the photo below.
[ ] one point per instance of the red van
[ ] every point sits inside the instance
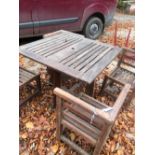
(38, 17)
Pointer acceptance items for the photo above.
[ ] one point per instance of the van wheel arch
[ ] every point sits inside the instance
(99, 19)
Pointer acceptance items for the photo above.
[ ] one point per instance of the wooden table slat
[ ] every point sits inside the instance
(98, 56)
(90, 57)
(62, 47)
(50, 43)
(25, 76)
(75, 51)
(98, 68)
(78, 55)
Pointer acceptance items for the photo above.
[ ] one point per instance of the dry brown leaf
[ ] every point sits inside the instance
(42, 119)
(112, 146)
(72, 136)
(55, 148)
(116, 136)
(62, 150)
(25, 153)
(120, 152)
(29, 125)
(24, 135)
(130, 115)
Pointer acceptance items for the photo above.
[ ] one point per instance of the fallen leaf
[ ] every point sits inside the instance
(112, 146)
(116, 136)
(50, 153)
(120, 152)
(29, 125)
(24, 135)
(25, 153)
(55, 148)
(130, 136)
(72, 136)
(130, 115)
(62, 150)
(42, 119)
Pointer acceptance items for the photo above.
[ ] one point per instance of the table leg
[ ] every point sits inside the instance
(90, 89)
(51, 73)
(55, 78)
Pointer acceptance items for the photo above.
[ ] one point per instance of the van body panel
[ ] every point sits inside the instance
(38, 17)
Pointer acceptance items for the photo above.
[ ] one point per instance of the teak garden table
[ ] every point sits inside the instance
(71, 54)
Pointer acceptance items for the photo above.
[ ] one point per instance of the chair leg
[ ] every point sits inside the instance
(90, 89)
(59, 116)
(103, 85)
(38, 84)
(131, 96)
(102, 139)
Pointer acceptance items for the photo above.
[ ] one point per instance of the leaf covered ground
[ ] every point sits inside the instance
(37, 120)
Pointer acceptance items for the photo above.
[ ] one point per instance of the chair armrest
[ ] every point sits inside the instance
(75, 100)
(120, 100)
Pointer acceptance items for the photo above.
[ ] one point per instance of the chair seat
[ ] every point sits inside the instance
(25, 82)
(124, 75)
(25, 76)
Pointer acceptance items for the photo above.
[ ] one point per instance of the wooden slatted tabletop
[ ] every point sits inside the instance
(71, 54)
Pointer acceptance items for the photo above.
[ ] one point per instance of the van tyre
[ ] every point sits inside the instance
(93, 28)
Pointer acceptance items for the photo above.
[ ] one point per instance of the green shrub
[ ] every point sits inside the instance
(122, 5)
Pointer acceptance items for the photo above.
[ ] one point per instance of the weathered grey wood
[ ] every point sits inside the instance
(55, 35)
(74, 87)
(63, 46)
(89, 50)
(118, 103)
(125, 71)
(102, 139)
(83, 125)
(100, 65)
(123, 75)
(90, 58)
(90, 89)
(93, 101)
(47, 44)
(57, 82)
(25, 76)
(58, 117)
(74, 100)
(85, 115)
(87, 121)
(25, 79)
(86, 56)
(80, 132)
(71, 54)
(98, 56)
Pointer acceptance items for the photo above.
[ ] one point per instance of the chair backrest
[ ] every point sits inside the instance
(127, 58)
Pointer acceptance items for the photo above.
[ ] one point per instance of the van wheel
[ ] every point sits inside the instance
(93, 28)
